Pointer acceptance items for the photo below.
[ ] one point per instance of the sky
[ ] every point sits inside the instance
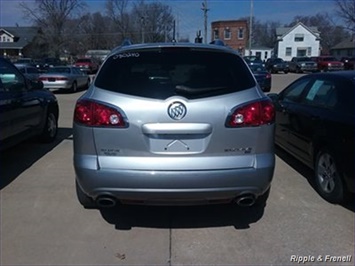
(189, 16)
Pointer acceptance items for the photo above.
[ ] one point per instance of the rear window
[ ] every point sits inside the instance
(163, 73)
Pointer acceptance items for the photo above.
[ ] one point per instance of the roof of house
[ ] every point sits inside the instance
(346, 44)
(24, 34)
(282, 31)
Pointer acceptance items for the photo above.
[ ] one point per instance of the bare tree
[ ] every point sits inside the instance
(117, 11)
(52, 16)
(154, 21)
(345, 9)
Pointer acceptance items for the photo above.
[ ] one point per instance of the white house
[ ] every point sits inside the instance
(298, 40)
(263, 53)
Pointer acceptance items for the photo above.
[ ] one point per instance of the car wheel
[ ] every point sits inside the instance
(74, 87)
(50, 130)
(84, 199)
(328, 180)
(285, 71)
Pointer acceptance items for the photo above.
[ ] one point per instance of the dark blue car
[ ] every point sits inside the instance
(26, 109)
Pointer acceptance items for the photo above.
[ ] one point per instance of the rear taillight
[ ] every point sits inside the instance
(96, 114)
(268, 76)
(42, 78)
(252, 114)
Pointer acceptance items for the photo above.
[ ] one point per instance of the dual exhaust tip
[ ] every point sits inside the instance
(245, 200)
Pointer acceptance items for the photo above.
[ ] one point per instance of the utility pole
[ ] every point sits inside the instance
(250, 26)
(205, 10)
(142, 28)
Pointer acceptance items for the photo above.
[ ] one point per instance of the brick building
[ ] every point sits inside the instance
(234, 33)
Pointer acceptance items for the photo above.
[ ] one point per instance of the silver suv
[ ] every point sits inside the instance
(173, 124)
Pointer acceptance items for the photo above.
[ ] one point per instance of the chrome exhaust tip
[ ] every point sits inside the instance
(245, 200)
(106, 202)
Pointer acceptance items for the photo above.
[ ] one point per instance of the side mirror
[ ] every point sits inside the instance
(273, 96)
(35, 84)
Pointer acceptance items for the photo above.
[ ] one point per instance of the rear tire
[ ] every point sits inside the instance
(74, 87)
(328, 179)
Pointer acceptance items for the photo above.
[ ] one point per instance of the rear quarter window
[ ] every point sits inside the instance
(163, 73)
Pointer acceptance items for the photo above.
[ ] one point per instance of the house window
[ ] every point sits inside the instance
(215, 34)
(299, 37)
(227, 34)
(309, 51)
(3, 39)
(240, 33)
(288, 51)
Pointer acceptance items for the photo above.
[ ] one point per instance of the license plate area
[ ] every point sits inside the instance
(171, 144)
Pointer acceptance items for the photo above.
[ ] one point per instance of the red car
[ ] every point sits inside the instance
(88, 65)
(328, 63)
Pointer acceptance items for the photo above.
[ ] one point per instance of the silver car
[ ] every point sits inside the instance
(173, 124)
(65, 78)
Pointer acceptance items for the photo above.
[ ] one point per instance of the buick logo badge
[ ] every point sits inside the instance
(177, 110)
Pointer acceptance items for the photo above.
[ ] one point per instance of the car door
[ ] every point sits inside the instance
(286, 106)
(12, 85)
(310, 118)
(23, 107)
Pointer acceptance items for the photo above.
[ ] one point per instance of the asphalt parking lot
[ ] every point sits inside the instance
(42, 222)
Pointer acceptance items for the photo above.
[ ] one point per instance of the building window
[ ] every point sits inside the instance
(309, 51)
(288, 51)
(215, 34)
(3, 39)
(227, 34)
(240, 33)
(299, 37)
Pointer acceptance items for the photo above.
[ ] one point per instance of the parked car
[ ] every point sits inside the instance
(315, 123)
(65, 78)
(87, 65)
(275, 65)
(173, 123)
(25, 62)
(262, 76)
(26, 109)
(253, 59)
(47, 63)
(348, 62)
(302, 64)
(30, 72)
(328, 63)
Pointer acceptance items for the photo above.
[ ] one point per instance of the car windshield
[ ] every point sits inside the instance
(304, 59)
(257, 68)
(163, 73)
(23, 61)
(329, 58)
(278, 60)
(59, 70)
(84, 60)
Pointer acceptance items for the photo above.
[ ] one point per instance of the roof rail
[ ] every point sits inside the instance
(218, 42)
(126, 42)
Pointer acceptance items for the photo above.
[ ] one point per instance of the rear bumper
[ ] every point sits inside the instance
(64, 85)
(152, 186)
(309, 68)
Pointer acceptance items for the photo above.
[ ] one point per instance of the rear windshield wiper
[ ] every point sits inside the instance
(182, 88)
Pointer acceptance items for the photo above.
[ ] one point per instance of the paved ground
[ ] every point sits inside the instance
(43, 224)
